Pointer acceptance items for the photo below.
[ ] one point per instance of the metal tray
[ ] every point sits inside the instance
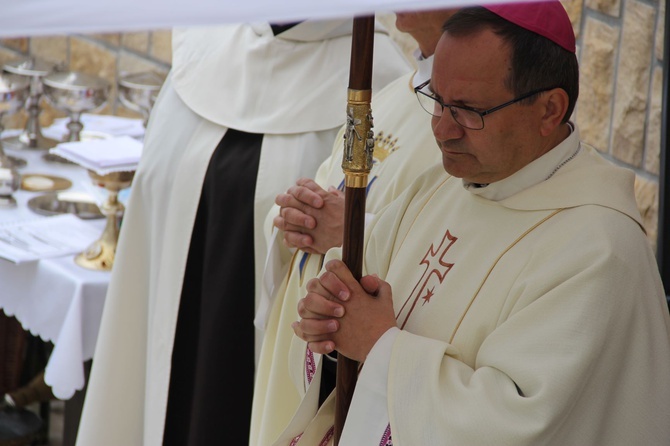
(55, 204)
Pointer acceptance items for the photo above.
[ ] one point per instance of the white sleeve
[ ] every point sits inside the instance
(368, 412)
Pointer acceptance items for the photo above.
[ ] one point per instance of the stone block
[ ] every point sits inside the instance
(646, 195)
(91, 57)
(138, 42)
(51, 48)
(653, 141)
(594, 110)
(574, 8)
(7, 55)
(113, 39)
(161, 46)
(630, 106)
(18, 44)
(132, 63)
(660, 30)
(609, 7)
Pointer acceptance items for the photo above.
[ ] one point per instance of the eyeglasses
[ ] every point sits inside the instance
(467, 117)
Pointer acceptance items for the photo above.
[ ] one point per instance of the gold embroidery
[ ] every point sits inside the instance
(384, 146)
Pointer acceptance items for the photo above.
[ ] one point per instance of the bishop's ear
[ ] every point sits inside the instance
(555, 107)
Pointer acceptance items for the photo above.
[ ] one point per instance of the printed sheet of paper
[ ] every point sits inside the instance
(57, 236)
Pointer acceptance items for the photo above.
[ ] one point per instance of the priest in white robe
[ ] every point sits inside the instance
(512, 297)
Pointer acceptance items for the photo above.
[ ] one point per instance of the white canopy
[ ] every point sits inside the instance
(25, 18)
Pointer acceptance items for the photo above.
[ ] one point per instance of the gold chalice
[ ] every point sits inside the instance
(100, 254)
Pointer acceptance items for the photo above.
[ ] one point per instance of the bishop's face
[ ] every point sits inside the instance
(471, 71)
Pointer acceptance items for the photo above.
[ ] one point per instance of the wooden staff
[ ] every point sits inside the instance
(356, 164)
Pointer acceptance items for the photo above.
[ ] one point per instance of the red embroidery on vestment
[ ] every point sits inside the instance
(386, 438)
(328, 436)
(324, 441)
(310, 365)
(435, 270)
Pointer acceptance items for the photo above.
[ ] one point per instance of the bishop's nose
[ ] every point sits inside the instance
(446, 128)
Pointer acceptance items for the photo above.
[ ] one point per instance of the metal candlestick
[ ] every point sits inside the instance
(75, 93)
(100, 254)
(138, 91)
(14, 92)
(31, 137)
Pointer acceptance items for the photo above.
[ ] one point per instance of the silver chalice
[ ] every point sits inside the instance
(138, 91)
(14, 91)
(31, 137)
(75, 93)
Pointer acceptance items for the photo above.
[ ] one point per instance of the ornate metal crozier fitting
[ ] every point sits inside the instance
(358, 139)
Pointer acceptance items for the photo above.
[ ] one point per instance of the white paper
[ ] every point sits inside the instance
(56, 236)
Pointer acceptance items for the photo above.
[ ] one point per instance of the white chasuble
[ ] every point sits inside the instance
(537, 318)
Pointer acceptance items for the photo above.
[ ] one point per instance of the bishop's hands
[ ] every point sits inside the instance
(312, 218)
(338, 313)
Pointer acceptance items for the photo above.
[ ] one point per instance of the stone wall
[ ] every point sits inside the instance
(620, 48)
(619, 108)
(106, 55)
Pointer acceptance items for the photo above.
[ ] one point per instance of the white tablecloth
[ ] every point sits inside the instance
(55, 299)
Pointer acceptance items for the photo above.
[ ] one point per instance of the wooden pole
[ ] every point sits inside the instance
(356, 164)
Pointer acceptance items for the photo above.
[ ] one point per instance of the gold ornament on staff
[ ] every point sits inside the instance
(358, 139)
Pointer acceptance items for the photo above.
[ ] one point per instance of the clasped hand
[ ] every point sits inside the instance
(339, 313)
(311, 217)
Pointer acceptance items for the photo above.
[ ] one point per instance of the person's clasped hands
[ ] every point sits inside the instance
(310, 217)
(339, 313)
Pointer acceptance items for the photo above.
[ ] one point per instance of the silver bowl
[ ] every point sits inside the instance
(75, 93)
(29, 66)
(14, 91)
(138, 91)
